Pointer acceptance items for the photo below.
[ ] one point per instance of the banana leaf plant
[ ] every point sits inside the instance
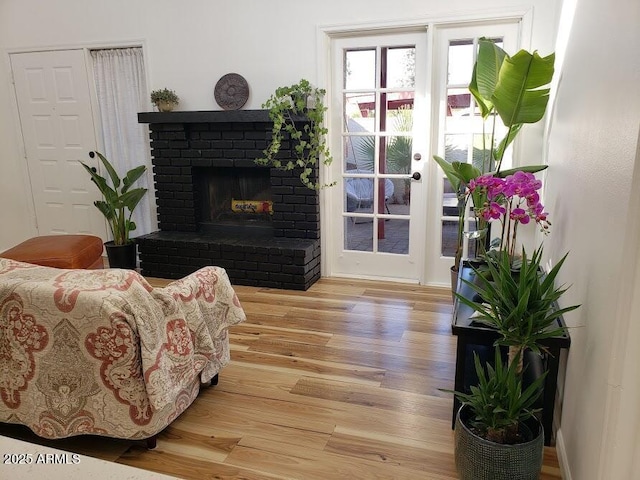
(515, 89)
(119, 201)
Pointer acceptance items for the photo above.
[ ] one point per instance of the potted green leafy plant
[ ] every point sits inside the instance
(297, 113)
(119, 202)
(166, 100)
(515, 89)
(497, 434)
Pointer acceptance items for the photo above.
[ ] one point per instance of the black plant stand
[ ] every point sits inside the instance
(479, 339)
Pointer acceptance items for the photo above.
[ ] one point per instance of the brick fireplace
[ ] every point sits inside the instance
(203, 166)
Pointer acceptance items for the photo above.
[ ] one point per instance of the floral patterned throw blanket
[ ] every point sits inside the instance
(102, 352)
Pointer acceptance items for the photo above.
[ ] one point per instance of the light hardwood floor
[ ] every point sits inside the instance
(339, 382)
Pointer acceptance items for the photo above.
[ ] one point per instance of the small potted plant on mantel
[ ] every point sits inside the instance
(120, 200)
(166, 100)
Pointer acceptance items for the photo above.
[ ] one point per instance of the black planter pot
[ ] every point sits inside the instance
(454, 283)
(121, 256)
(480, 459)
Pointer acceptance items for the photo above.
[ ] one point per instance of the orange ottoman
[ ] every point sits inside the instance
(59, 251)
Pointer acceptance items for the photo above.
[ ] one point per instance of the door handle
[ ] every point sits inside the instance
(416, 175)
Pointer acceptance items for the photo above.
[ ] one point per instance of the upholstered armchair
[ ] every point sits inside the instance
(102, 352)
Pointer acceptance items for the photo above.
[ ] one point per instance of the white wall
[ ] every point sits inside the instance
(189, 45)
(593, 148)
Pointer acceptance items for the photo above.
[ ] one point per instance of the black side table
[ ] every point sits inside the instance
(471, 336)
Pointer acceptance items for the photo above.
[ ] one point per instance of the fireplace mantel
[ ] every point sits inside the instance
(212, 116)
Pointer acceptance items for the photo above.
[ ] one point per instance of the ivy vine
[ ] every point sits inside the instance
(308, 134)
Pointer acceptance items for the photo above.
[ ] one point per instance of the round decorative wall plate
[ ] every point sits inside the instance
(232, 91)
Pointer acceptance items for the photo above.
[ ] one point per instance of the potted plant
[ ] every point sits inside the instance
(166, 100)
(119, 202)
(297, 113)
(513, 88)
(497, 434)
(519, 301)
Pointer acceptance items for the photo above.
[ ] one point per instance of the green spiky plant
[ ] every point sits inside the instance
(499, 403)
(519, 303)
(120, 200)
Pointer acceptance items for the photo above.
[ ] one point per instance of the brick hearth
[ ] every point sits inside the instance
(285, 255)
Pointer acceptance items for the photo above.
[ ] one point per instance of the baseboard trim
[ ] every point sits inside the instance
(563, 461)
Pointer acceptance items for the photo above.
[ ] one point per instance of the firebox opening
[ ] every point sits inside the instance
(235, 199)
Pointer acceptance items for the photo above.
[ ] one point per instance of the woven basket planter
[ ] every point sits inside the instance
(480, 459)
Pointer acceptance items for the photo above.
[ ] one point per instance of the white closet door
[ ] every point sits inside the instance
(56, 118)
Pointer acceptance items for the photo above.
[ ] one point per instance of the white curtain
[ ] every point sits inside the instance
(122, 93)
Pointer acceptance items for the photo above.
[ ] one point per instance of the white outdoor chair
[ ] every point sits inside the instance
(360, 191)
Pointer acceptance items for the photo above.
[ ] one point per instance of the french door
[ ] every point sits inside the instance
(396, 100)
(377, 205)
(457, 135)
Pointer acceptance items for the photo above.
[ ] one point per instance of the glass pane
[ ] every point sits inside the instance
(498, 41)
(358, 234)
(401, 67)
(482, 153)
(397, 154)
(359, 112)
(470, 231)
(456, 148)
(397, 201)
(460, 65)
(399, 112)
(360, 69)
(359, 153)
(449, 200)
(458, 102)
(395, 236)
(358, 195)
(386, 190)
(472, 247)
(449, 237)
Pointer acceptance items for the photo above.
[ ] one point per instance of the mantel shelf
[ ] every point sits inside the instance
(211, 116)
